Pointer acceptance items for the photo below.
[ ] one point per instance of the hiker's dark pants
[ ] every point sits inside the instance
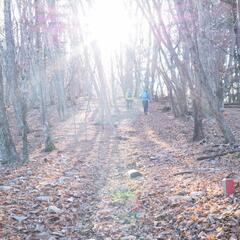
(145, 106)
(129, 104)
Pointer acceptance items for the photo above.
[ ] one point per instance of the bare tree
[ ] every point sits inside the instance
(7, 147)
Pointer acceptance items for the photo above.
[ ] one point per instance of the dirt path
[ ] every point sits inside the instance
(163, 203)
(124, 211)
(57, 195)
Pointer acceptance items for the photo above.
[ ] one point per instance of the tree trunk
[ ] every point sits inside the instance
(198, 126)
(41, 77)
(10, 59)
(58, 73)
(104, 103)
(226, 130)
(7, 147)
(25, 155)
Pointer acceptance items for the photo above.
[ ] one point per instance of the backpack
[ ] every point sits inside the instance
(145, 95)
(129, 94)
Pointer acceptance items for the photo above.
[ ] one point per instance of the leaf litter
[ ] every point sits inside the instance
(82, 190)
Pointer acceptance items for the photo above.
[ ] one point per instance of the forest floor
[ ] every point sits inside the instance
(83, 190)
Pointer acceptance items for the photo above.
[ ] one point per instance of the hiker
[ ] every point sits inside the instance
(129, 99)
(145, 97)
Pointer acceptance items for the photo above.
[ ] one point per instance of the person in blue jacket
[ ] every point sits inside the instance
(145, 97)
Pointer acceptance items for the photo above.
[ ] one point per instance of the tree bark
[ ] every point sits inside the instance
(41, 77)
(56, 56)
(11, 68)
(7, 147)
(198, 126)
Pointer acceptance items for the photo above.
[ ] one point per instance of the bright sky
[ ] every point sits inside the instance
(109, 24)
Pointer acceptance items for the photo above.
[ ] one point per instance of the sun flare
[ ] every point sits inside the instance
(109, 24)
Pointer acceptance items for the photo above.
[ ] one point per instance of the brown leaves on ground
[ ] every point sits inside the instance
(83, 190)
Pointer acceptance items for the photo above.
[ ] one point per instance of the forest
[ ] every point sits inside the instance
(119, 119)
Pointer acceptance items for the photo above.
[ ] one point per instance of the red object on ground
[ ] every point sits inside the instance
(231, 184)
(228, 186)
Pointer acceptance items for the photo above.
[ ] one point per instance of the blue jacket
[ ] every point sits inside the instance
(145, 96)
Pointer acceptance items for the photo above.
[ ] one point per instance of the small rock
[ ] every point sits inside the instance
(43, 198)
(153, 158)
(71, 199)
(19, 218)
(178, 199)
(29, 172)
(54, 209)
(134, 173)
(196, 195)
(71, 173)
(5, 188)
